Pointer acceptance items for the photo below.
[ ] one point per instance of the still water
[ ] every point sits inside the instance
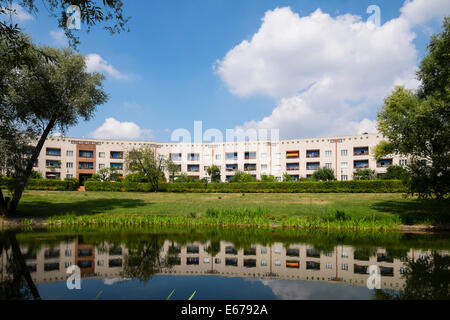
(152, 263)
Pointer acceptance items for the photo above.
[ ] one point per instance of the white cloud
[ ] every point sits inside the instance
(329, 74)
(114, 129)
(59, 38)
(21, 15)
(421, 11)
(95, 62)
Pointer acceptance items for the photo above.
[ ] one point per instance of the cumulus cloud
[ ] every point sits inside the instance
(115, 129)
(421, 11)
(59, 38)
(329, 74)
(95, 63)
(21, 15)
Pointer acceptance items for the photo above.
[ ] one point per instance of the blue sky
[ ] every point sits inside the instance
(172, 67)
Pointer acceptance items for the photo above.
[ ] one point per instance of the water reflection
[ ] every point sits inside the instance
(332, 269)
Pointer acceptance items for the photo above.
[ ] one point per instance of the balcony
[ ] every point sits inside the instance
(361, 151)
(231, 156)
(384, 163)
(175, 156)
(249, 263)
(312, 265)
(193, 157)
(312, 165)
(193, 168)
(117, 166)
(292, 264)
(53, 175)
(313, 153)
(361, 164)
(53, 164)
(292, 166)
(249, 155)
(292, 154)
(116, 155)
(231, 167)
(53, 152)
(249, 167)
(86, 165)
(86, 154)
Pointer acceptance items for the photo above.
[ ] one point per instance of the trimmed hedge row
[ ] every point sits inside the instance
(354, 186)
(45, 184)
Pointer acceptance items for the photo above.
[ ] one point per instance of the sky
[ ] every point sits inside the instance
(308, 68)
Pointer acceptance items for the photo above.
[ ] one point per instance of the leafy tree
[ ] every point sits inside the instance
(323, 174)
(93, 12)
(417, 123)
(240, 176)
(135, 177)
(36, 98)
(268, 178)
(107, 174)
(214, 173)
(364, 174)
(145, 161)
(184, 178)
(172, 168)
(396, 173)
(287, 177)
(36, 175)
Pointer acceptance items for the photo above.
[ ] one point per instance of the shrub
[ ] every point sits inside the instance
(69, 184)
(323, 174)
(364, 174)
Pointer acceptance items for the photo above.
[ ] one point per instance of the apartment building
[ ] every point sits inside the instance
(63, 157)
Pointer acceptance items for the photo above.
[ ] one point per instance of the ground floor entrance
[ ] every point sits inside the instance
(83, 177)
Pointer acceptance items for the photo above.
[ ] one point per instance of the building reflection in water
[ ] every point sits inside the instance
(341, 264)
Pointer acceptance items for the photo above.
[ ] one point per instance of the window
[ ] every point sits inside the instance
(249, 155)
(249, 167)
(312, 153)
(328, 165)
(328, 153)
(263, 250)
(329, 266)
(207, 157)
(218, 156)
(69, 153)
(403, 162)
(263, 155)
(357, 164)
(344, 165)
(344, 153)
(53, 164)
(175, 156)
(69, 175)
(231, 156)
(53, 152)
(312, 165)
(69, 165)
(277, 263)
(361, 151)
(101, 154)
(101, 166)
(193, 156)
(344, 254)
(217, 261)
(264, 167)
(86, 154)
(86, 165)
(116, 155)
(344, 177)
(263, 263)
(344, 266)
(118, 166)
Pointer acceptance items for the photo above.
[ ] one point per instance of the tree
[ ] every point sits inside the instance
(145, 161)
(214, 173)
(268, 178)
(36, 175)
(240, 176)
(397, 173)
(417, 123)
(184, 178)
(92, 13)
(323, 174)
(107, 174)
(287, 177)
(364, 174)
(36, 98)
(172, 168)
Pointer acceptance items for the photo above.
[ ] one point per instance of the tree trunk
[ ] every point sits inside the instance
(21, 181)
(17, 254)
(2, 203)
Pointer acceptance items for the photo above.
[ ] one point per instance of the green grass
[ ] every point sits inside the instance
(347, 211)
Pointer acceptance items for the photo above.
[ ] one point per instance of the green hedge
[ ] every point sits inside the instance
(354, 186)
(44, 184)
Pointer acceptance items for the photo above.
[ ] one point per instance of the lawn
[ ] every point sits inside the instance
(320, 209)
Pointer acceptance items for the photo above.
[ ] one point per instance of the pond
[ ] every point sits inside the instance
(160, 263)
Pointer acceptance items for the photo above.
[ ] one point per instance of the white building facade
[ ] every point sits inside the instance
(63, 157)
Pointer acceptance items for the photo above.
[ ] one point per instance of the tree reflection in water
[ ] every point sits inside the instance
(19, 284)
(427, 278)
